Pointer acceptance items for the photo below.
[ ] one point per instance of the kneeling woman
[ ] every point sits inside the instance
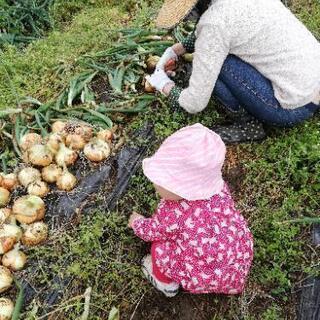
(255, 56)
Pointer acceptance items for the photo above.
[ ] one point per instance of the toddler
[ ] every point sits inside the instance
(199, 240)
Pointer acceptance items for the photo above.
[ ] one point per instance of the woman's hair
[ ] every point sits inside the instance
(202, 6)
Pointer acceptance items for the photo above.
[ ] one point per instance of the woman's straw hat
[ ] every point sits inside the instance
(173, 11)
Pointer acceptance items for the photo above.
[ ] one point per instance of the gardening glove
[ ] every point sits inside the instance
(159, 79)
(168, 55)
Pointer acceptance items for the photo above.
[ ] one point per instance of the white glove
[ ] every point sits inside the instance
(167, 55)
(159, 79)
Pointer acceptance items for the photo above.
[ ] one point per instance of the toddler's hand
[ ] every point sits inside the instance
(134, 216)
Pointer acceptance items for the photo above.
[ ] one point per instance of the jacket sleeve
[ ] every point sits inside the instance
(162, 226)
(211, 49)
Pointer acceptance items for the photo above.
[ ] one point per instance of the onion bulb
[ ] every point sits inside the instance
(53, 142)
(97, 150)
(75, 141)
(9, 181)
(28, 175)
(58, 127)
(39, 155)
(6, 244)
(66, 181)
(152, 63)
(65, 156)
(28, 140)
(35, 233)
(4, 215)
(14, 259)
(28, 209)
(79, 128)
(4, 196)
(10, 231)
(51, 173)
(188, 57)
(38, 188)
(6, 309)
(6, 279)
(148, 87)
(105, 135)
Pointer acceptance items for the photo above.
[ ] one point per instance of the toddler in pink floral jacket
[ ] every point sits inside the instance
(199, 240)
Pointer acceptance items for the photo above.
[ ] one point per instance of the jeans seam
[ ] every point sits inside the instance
(261, 98)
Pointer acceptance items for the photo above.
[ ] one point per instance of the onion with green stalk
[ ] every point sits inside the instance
(28, 209)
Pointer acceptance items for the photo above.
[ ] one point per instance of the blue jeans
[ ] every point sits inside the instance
(240, 84)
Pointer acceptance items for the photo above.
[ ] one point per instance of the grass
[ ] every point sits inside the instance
(280, 182)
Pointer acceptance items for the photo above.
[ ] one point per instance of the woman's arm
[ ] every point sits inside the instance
(211, 49)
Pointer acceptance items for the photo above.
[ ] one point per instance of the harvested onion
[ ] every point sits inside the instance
(152, 63)
(38, 188)
(97, 150)
(28, 175)
(35, 233)
(14, 259)
(79, 128)
(4, 196)
(54, 141)
(11, 231)
(6, 279)
(66, 181)
(105, 135)
(6, 309)
(6, 244)
(65, 156)
(9, 181)
(4, 215)
(51, 173)
(39, 155)
(28, 209)
(28, 140)
(148, 87)
(75, 141)
(58, 127)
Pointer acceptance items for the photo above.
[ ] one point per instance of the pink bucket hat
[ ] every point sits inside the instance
(188, 163)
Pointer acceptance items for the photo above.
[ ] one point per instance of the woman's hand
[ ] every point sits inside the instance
(168, 60)
(159, 80)
(133, 217)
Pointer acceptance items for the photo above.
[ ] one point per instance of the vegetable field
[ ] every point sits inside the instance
(76, 117)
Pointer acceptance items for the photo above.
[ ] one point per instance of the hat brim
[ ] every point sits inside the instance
(173, 12)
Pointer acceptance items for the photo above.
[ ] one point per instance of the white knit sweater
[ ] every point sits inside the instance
(265, 34)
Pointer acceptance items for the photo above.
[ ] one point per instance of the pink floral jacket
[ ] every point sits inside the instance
(204, 245)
